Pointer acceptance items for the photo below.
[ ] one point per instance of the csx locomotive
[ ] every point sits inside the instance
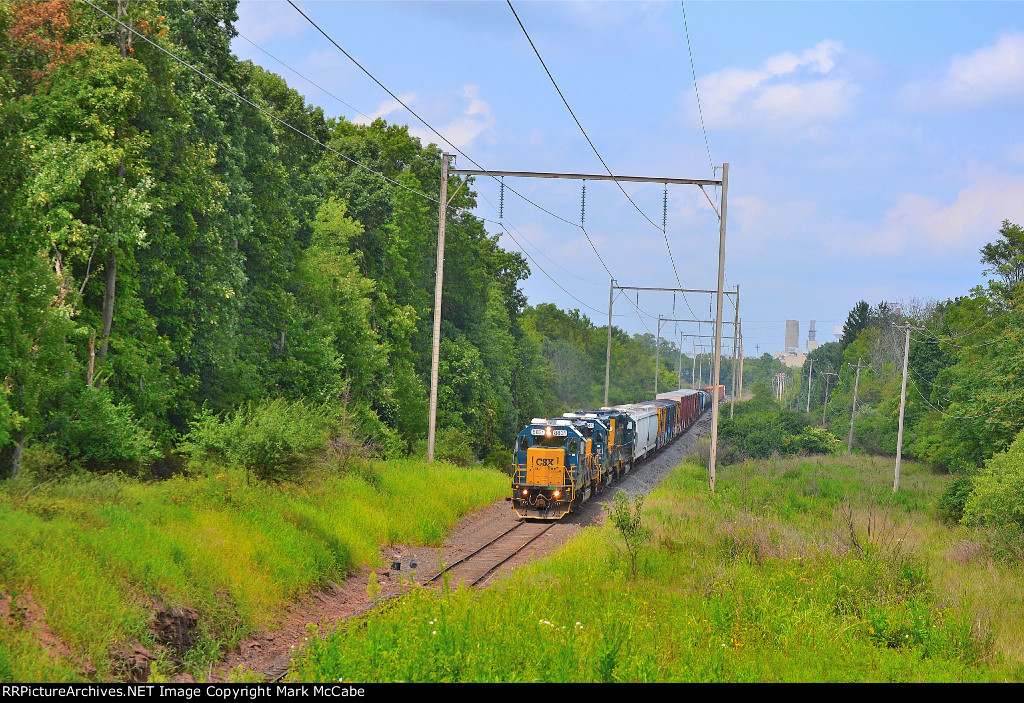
(561, 462)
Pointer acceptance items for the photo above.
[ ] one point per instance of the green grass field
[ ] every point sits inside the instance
(797, 570)
(96, 553)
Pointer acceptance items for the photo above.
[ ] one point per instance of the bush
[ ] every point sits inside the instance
(815, 440)
(450, 444)
(997, 499)
(952, 501)
(500, 458)
(96, 433)
(272, 439)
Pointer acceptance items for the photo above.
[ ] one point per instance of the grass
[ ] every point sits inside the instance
(797, 570)
(96, 553)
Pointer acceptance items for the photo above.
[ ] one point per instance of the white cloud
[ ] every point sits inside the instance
(461, 121)
(788, 90)
(386, 108)
(924, 226)
(991, 74)
(260, 21)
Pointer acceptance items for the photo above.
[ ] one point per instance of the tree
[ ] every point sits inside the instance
(856, 321)
(1005, 257)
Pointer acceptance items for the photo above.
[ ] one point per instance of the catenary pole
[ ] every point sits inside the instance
(903, 405)
(741, 357)
(657, 357)
(810, 379)
(608, 351)
(438, 282)
(718, 329)
(735, 351)
(853, 413)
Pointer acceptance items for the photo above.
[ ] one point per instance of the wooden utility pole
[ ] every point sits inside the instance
(438, 281)
(903, 405)
(853, 413)
(810, 371)
(824, 405)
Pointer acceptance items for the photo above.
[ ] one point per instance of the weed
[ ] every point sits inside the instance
(627, 519)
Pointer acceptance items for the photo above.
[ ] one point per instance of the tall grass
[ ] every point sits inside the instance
(796, 570)
(96, 553)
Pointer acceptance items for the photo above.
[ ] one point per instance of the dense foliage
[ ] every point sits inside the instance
(172, 255)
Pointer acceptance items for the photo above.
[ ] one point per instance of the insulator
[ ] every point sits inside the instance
(501, 200)
(583, 204)
(664, 210)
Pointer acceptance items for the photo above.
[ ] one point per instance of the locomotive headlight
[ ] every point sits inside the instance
(557, 493)
(526, 492)
(549, 432)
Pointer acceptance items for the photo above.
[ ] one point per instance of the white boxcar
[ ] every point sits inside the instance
(646, 419)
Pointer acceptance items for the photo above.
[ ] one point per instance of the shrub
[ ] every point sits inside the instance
(272, 439)
(627, 519)
(96, 433)
(998, 495)
(951, 503)
(816, 440)
(450, 444)
(500, 458)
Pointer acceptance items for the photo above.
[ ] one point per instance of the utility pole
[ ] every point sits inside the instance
(735, 351)
(438, 281)
(608, 351)
(657, 357)
(693, 367)
(903, 405)
(741, 354)
(718, 328)
(824, 405)
(853, 413)
(809, 380)
(679, 363)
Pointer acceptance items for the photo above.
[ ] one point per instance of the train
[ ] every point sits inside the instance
(561, 462)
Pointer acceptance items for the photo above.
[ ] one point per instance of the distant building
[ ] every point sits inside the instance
(812, 343)
(792, 335)
(791, 359)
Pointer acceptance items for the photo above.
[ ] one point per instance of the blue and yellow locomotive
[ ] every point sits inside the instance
(561, 462)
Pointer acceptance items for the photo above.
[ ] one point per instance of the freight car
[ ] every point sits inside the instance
(561, 462)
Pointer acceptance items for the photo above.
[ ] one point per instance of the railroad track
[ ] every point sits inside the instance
(477, 566)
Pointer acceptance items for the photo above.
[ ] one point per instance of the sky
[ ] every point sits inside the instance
(873, 148)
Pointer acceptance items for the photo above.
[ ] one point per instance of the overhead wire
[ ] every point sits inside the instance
(267, 53)
(284, 123)
(245, 100)
(445, 139)
(591, 143)
(695, 90)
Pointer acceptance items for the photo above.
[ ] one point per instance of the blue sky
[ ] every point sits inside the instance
(873, 147)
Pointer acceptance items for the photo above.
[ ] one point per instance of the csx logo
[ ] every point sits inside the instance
(549, 462)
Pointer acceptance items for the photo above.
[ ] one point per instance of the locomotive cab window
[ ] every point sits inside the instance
(574, 445)
(524, 443)
(552, 442)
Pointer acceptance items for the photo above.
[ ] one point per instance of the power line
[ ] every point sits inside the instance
(591, 143)
(245, 100)
(694, 72)
(445, 139)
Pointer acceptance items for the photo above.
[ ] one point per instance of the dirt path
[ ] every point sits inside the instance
(270, 652)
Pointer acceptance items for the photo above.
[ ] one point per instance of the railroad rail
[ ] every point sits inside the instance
(501, 552)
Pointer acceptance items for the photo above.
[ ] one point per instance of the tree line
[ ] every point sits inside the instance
(170, 255)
